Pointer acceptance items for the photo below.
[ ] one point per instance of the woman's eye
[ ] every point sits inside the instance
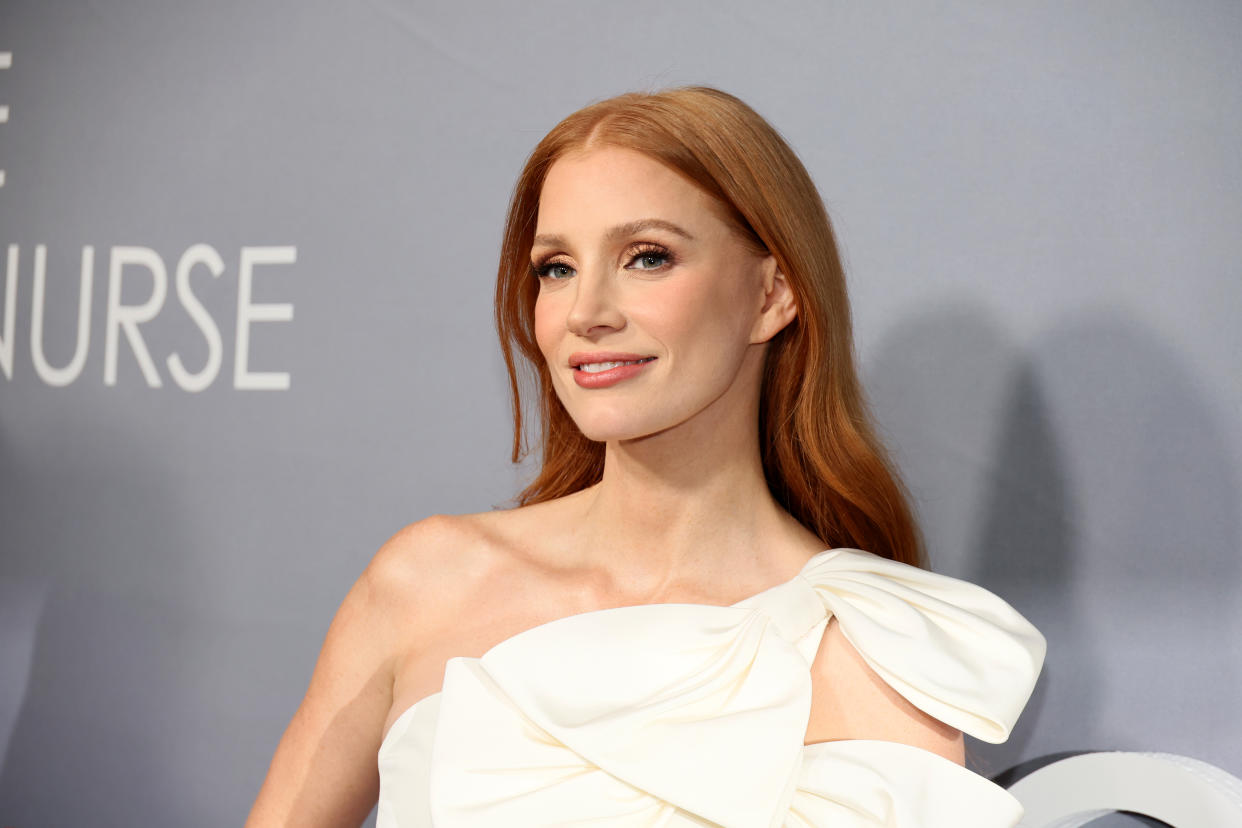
(554, 270)
(649, 260)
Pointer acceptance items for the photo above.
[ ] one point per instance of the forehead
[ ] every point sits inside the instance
(606, 186)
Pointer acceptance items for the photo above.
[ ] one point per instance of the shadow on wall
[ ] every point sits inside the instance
(22, 600)
(1085, 478)
(970, 431)
(91, 526)
(21, 608)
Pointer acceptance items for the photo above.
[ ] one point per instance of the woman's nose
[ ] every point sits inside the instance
(595, 309)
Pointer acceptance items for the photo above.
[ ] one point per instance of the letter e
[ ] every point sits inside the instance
(248, 312)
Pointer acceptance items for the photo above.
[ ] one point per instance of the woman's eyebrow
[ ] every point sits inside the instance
(630, 228)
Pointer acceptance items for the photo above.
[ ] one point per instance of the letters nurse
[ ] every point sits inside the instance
(669, 271)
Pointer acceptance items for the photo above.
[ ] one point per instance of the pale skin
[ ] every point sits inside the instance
(682, 515)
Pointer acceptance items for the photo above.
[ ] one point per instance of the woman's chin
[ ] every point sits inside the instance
(609, 435)
(612, 431)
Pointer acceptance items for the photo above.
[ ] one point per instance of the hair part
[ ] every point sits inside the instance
(822, 459)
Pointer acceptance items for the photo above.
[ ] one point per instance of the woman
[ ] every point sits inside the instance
(675, 626)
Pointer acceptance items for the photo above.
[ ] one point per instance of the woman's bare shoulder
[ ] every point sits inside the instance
(430, 560)
(323, 771)
(431, 567)
(459, 584)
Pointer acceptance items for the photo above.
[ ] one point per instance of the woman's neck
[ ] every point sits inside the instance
(689, 505)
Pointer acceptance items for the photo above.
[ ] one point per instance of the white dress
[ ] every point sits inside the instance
(694, 715)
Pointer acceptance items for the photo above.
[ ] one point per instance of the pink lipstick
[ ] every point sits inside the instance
(601, 369)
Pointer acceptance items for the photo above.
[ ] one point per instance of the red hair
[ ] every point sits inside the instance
(821, 457)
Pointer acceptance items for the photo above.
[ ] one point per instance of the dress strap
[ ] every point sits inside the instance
(953, 649)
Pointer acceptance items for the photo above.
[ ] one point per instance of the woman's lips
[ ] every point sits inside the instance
(588, 375)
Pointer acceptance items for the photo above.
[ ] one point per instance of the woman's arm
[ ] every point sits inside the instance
(850, 701)
(324, 771)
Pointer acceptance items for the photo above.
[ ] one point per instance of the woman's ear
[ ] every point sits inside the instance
(778, 306)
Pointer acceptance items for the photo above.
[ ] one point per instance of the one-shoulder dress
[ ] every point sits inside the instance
(694, 715)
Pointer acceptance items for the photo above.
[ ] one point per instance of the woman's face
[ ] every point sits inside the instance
(636, 267)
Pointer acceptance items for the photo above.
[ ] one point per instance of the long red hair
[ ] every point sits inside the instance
(822, 459)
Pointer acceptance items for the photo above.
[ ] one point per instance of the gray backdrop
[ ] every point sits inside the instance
(1039, 209)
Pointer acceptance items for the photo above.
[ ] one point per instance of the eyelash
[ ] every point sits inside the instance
(543, 267)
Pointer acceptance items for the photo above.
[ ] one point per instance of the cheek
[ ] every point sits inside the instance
(548, 326)
(713, 322)
(735, 305)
